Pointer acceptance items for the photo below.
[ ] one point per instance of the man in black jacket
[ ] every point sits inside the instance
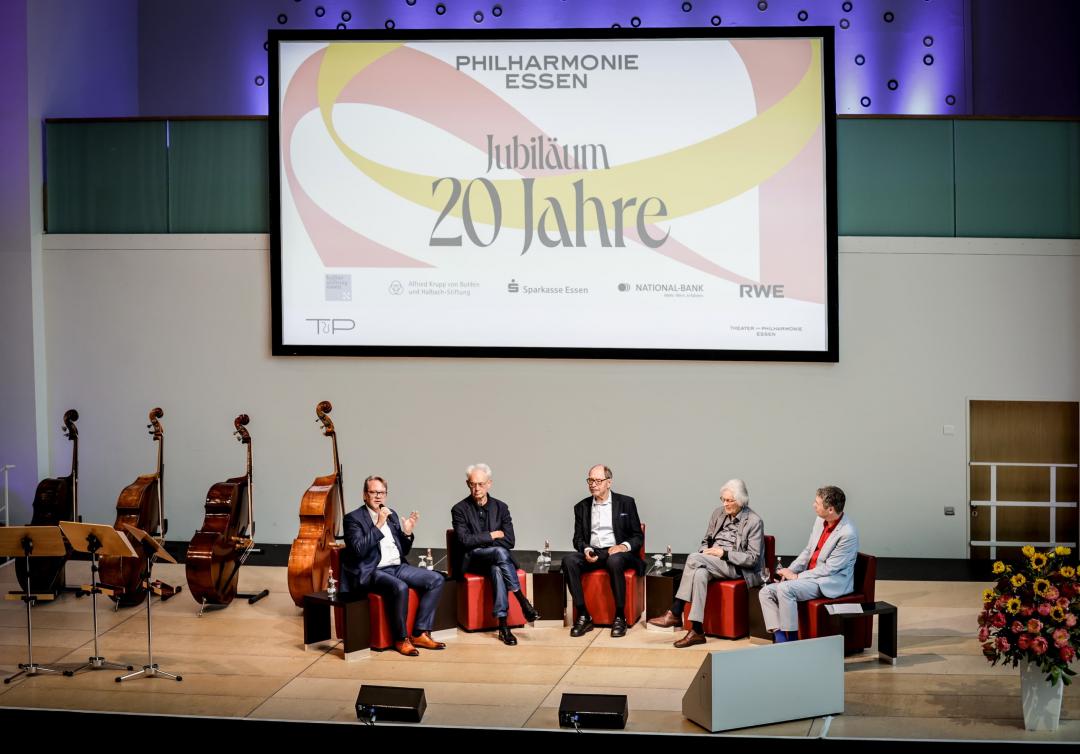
(486, 532)
(607, 534)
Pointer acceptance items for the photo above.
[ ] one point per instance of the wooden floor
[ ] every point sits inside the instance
(248, 661)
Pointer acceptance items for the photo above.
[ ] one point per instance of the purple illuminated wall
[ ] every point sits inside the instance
(1026, 57)
(204, 57)
(911, 57)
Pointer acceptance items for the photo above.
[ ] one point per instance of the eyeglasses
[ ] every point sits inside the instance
(377, 493)
(476, 485)
(595, 482)
(728, 500)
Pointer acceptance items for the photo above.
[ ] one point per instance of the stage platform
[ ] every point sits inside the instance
(248, 661)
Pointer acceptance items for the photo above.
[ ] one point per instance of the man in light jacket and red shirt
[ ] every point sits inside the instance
(826, 568)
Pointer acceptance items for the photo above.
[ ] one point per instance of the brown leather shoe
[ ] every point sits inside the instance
(424, 641)
(667, 620)
(690, 639)
(406, 648)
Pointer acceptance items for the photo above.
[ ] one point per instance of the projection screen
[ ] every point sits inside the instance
(614, 194)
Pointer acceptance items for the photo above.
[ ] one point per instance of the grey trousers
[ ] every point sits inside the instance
(700, 570)
(780, 602)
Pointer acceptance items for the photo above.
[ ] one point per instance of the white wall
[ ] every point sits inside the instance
(183, 322)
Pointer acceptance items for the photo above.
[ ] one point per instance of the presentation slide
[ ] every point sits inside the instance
(633, 196)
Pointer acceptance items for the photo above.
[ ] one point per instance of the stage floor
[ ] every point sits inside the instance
(249, 661)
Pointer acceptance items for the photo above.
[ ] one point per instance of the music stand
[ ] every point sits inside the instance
(97, 539)
(31, 542)
(151, 549)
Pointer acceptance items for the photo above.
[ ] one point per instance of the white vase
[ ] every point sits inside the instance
(1041, 701)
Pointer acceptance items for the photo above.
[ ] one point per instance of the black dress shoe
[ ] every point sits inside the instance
(530, 612)
(582, 626)
(618, 628)
(506, 637)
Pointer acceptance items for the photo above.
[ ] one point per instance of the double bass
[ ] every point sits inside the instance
(227, 535)
(55, 500)
(321, 516)
(141, 504)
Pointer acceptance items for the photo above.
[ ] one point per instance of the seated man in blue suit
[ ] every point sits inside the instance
(376, 543)
(826, 568)
(486, 532)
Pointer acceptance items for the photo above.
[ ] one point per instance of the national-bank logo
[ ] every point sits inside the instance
(669, 287)
(665, 289)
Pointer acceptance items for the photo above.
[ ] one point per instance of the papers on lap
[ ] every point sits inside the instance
(844, 609)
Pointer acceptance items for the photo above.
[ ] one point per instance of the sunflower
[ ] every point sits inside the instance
(1062, 550)
(1057, 613)
(1041, 586)
(1028, 551)
(1068, 571)
(1018, 580)
(989, 595)
(999, 567)
(1013, 606)
(1038, 561)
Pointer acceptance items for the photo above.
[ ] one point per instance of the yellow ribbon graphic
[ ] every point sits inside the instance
(689, 179)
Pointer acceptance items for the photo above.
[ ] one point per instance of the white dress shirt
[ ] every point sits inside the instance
(391, 555)
(603, 531)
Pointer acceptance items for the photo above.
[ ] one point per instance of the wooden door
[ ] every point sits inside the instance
(1022, 475)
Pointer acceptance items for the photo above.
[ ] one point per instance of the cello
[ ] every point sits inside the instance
(55, 500)
(227, 536)
(321, 515)
(141, 504)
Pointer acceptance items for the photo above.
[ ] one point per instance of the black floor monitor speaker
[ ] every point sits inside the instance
(390, 703)
(607, 711)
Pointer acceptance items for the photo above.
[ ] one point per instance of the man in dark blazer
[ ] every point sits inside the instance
(733, 547)
(607, 535)
(373, 559)
(486, 532)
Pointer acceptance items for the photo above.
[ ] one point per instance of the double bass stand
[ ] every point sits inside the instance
(104, 540)
(251, 597)
(16, 541)
(151, 549)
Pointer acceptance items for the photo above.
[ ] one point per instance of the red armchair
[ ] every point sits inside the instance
(596, 587)
(476, 595)
(727, 603)
(814, 619)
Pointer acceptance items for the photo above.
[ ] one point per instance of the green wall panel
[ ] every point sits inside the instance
(1018, 179)
(894, 177)
(217, 177)
(106, 177)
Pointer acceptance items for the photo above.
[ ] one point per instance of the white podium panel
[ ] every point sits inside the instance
(768, 684)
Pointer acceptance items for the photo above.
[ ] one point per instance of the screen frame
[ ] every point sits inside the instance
(824, 33)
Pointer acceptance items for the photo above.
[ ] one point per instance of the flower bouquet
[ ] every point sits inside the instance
(1031, 613)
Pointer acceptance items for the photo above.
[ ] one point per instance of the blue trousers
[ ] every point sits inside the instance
(392, 584)
(496, 563)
